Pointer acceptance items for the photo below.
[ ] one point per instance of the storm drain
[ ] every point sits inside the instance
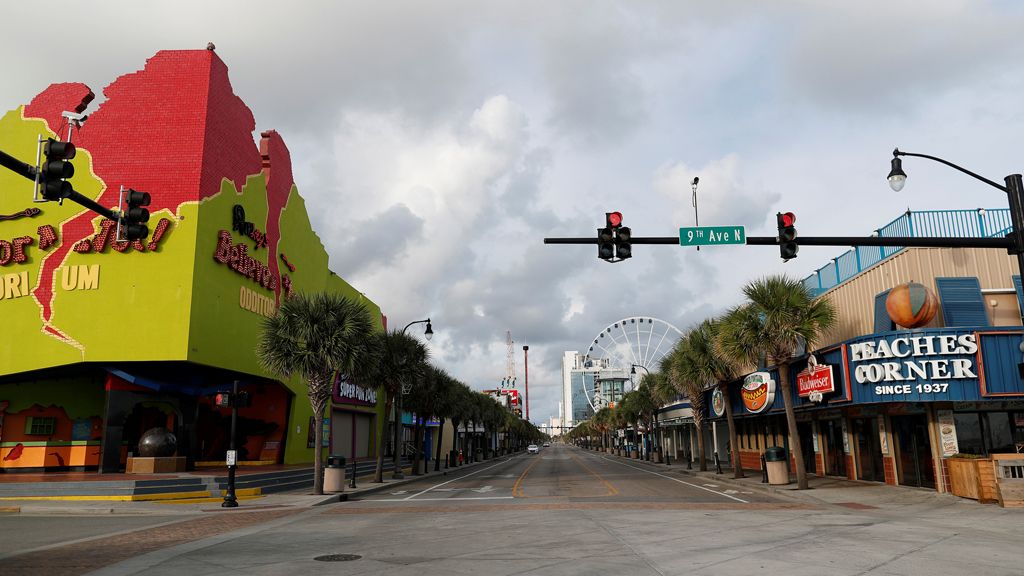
(337, 557)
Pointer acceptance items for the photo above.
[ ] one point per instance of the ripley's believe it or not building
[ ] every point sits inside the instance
(106, 339)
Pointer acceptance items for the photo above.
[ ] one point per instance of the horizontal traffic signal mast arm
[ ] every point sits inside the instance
(909, 242)
(29, 171)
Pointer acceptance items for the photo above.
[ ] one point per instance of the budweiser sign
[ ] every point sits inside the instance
(815, 379)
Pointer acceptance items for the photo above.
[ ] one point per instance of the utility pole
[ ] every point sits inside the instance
(526, 379)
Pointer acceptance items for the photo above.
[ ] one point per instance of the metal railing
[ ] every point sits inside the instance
(979, 223)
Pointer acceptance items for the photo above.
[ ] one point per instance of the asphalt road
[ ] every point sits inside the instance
(565, 511)
(562, 474)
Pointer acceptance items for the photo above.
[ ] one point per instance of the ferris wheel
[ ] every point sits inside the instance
(635, 341)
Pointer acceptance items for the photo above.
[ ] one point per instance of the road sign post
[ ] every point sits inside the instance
(712, 235)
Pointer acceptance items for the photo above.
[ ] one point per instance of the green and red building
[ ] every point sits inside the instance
(107, 339)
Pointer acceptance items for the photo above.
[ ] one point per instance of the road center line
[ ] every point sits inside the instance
(676, 480)
(454, 479)
(522, 477)
(612, 490)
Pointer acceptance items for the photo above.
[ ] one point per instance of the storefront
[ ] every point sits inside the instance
(890, 407)
(108, 338)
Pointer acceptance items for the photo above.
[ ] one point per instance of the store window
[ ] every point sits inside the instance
(987, 433)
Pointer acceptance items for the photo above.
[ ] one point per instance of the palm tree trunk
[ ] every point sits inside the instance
(318, 441)
(437, 455)
(737, 466)
(702, 464)
(378, 474)
(794, 436)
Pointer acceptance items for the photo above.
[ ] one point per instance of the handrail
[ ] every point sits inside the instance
(978, 223)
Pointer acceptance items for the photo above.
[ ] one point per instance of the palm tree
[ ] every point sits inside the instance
(709, 364)
(316, 336)
(423, 401)
(399, 363)
(443, 407)
(780, 317)
(678, 366)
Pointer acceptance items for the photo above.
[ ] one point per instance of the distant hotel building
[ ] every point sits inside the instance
(588, 385)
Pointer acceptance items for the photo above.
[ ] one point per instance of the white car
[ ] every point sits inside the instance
(546, 444)
(533, 449)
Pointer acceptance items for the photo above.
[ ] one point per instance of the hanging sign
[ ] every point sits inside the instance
(947, 433)
(815, 379)
(718, 402)
(758, 392)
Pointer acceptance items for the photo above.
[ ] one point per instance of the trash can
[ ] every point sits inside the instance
(334, 474)
(777, 462)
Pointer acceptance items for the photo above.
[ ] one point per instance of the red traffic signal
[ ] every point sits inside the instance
(613, 219)
(788, 247)
(222, 400)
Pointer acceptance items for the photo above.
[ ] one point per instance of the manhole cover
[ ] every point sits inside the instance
(337, 557)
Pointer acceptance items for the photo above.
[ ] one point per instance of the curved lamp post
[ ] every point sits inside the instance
(396, 474)
(1013, 187)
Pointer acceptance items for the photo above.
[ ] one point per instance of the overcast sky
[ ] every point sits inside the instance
(438, 143)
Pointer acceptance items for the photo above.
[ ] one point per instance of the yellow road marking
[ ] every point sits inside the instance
(515, 487)
(612, 490)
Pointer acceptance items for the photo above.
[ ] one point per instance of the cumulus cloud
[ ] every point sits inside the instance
(438, 144)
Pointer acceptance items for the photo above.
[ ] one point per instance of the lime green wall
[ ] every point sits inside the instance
(222, 332)
(139, 309)
(177, 303)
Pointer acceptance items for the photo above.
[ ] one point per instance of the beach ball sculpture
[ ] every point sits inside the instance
(911, 305)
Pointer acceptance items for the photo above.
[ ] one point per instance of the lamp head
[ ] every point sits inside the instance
(897, 177)
(430, 330)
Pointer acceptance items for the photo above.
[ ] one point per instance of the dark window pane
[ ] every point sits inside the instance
(968, 433)
(1000, 433)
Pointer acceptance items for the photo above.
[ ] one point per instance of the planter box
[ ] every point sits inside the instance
(1009, 475)
(973, 478)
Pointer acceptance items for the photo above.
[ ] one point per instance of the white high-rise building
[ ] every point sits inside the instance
(588, 385)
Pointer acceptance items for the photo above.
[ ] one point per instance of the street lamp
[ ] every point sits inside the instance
(396, 474)
(657, 431)
(1014, 189)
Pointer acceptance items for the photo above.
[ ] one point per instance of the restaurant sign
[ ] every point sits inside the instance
(758, 392)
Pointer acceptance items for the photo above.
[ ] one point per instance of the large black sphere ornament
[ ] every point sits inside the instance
(157, 443)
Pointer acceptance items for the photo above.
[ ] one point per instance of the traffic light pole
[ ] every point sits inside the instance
(229, 496)
(908, 242)
(29, 171)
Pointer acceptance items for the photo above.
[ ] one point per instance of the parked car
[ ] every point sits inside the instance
(533, 449)
(546, 444)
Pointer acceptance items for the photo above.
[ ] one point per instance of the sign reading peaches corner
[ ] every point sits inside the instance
(914, 364)
(758, 392)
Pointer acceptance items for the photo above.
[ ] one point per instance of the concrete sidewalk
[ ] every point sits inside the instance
(823, 491)
(296, 499)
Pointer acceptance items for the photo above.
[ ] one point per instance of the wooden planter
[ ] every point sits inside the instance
(1009, 473)
(973, 478)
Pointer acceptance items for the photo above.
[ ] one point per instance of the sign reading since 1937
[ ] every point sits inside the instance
(908, 359)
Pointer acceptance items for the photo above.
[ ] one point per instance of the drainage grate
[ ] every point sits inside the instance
(338, 557)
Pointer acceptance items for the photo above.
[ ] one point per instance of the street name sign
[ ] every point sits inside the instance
(712, 235)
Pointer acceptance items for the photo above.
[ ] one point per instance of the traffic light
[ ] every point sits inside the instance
(222, 400)
(623, 246)
(57, 168)
(605, 243)
(787, 235)
(610, 238)
(134, 217)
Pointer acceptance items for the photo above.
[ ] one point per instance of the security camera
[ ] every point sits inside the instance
(74, 117)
